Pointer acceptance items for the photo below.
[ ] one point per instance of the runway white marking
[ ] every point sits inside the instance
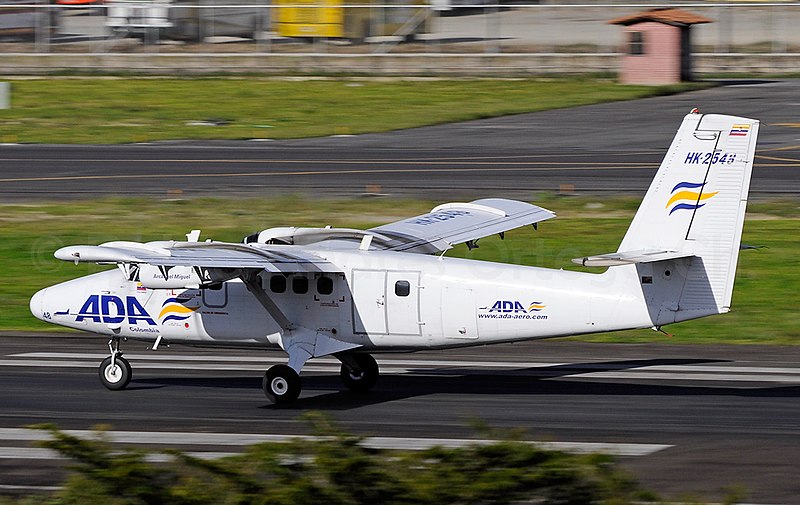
(14, 487)
(258, 363)
(244, 439)
(412, 362)
(700, 376)
(50, 455)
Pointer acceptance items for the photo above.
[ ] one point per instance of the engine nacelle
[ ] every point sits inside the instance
(290, 235)
(279, 235)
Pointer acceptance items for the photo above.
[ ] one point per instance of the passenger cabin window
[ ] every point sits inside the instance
(402, 288)
(300, 285)
(636, 43)
(277, 284)
(324, 285)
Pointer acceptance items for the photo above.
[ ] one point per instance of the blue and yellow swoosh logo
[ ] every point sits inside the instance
(536, 306)
(174, 310)
(688, 196)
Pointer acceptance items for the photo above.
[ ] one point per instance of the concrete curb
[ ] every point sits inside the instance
(435, 64)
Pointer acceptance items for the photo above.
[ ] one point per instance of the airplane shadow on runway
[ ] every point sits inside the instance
(536, 381)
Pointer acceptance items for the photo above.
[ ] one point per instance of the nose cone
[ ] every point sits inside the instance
(37, 303)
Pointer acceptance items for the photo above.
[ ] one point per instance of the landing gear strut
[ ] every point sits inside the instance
(359, 372)
(115, 371)
(282, 384)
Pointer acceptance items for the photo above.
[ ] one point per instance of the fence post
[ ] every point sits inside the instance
(42, 29)
(5, 95)
(724, 30)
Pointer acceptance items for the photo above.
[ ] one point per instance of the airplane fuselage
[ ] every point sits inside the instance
(381, 301)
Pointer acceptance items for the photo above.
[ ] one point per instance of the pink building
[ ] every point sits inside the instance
(658, 47)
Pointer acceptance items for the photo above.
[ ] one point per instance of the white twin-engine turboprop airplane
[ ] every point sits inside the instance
(343, 292)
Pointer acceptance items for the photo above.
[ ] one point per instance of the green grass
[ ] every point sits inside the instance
(120, 110)
(764, 302)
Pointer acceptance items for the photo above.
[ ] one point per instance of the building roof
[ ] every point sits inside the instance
(666, 15)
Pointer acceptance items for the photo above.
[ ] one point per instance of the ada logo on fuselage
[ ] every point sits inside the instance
(112, 309)
(513, 307)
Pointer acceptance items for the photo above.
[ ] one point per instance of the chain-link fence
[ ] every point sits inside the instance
(433, 37)
(401, 26)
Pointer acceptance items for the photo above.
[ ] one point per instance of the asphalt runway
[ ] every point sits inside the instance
(683, 419)
(610, 147)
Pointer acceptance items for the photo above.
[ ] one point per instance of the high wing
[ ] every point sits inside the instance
(202, 254)
(286, 249)
(458, 223)
(191, 264)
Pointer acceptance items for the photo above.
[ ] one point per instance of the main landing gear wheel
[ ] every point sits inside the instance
(364, 376)
(116, 376)
(281, 384)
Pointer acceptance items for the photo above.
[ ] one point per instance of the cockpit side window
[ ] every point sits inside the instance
(277, 283)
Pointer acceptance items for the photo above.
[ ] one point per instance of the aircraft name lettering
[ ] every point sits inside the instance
(438, 217)
(173, 276)
(698, 158)
(112, 309)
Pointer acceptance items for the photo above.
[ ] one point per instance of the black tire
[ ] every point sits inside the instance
(118, 377)
(365, 377)
(281, 384)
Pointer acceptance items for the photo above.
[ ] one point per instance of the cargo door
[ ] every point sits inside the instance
(459, 317)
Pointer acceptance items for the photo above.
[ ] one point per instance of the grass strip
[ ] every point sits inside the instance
(123, 110)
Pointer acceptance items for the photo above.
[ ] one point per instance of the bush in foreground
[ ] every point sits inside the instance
(335, 468)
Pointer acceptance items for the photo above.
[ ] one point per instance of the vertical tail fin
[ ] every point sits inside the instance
(695, 207)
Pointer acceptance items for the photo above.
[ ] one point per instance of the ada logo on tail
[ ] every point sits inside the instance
(688, 196)
(111, 309)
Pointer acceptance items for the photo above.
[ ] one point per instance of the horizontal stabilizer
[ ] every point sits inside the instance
(629, 258)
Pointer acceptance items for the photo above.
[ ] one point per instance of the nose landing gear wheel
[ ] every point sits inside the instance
(281, 384)
(115, 377)
(360, 379)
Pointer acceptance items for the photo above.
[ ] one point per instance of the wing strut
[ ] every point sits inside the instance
(253, 283)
